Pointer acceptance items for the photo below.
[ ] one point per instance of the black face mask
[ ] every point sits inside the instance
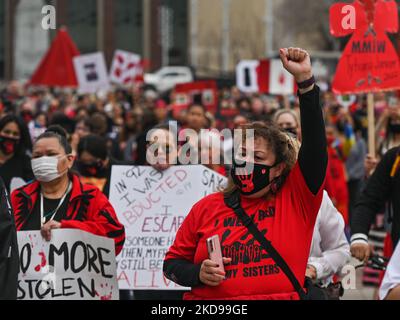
(8, 145)
(27, 116)
(341, 126)
(251, 183)
(95, 169)
(394, 128)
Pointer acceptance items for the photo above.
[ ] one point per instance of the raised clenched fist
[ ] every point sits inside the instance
(297, 62)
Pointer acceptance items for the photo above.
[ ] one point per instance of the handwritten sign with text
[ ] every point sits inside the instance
(153, 205)
(370, 62)
(74, 265)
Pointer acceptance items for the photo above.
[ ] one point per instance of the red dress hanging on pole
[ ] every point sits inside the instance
(370, 62)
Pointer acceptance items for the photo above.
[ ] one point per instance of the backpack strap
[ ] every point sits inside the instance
(233, 201)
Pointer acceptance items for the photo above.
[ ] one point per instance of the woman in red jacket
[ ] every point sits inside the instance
(281, 195)
(336, 179)
(58, 200)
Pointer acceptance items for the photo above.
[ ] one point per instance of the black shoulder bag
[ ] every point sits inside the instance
(313, 292)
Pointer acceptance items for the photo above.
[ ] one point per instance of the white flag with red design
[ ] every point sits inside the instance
(264, 76)
(126, 68)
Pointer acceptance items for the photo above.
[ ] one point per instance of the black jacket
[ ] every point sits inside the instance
(9, 259)
(17, 167)
(382, 188)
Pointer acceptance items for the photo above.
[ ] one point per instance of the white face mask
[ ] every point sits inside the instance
(45, 169)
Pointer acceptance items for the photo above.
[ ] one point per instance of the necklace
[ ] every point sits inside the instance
(52, 214)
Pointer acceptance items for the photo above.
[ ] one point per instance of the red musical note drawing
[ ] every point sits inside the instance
(43, 262)
(246, 180)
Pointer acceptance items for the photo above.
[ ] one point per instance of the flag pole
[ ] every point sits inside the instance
(226, 26)
(371, 125)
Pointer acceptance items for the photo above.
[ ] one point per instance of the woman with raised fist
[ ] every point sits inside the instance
(279, 194)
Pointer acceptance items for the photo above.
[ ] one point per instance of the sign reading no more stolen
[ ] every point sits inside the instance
(74, 265)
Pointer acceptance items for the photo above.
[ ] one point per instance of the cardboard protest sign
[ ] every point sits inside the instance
(127, 68)
(74, 265)
(204, 92)
(153, 205)
(369, 62)
(91, 72)
(264, 76)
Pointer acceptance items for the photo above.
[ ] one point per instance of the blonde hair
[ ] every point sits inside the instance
(293, 113)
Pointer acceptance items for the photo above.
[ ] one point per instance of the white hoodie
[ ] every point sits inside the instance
(330, 250)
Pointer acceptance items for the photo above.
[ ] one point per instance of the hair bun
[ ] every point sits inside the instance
(57, 129)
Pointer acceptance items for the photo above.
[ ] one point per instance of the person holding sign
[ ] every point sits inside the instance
(161, 148)
(58, 200)
(282, 195)
(161, 154)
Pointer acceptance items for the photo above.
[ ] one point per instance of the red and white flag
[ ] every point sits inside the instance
(186, 93)
(127, 68)
(265, 76)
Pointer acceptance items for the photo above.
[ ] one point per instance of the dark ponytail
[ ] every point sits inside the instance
(57, 132)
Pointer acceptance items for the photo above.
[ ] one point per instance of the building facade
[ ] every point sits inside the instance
(155, 29)
(223, 32)
(210, 35)
(2, 38)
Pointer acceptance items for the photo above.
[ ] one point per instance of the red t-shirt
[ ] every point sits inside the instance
(288, 220)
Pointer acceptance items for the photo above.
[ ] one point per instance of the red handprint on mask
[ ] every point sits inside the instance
(246, 180)
(9, 147)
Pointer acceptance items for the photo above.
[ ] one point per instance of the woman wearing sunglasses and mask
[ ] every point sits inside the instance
(58, 200)
(161, 154)
(94, 163)
(281, 194)
(15, 143)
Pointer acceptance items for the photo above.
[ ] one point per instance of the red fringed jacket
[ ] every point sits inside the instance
(88, 210)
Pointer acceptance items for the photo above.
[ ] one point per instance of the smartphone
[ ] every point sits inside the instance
(215, 252)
